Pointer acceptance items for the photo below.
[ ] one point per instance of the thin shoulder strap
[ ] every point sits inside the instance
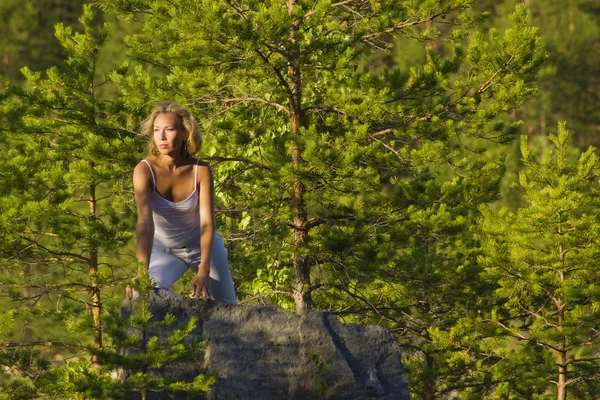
(152, 172)
(196, 184)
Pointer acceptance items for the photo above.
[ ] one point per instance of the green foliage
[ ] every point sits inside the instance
(543, 258)
(352, 188)
(133, 351)
(140, 348)
(28, 367)
(393, 156)
(569, 32)
(61, 209)
(323, 368)
(26, 36)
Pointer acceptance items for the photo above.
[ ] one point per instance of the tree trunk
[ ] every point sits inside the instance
(93, 271)
(561, 353)
(302, 297)
(561, 360)
(430, 392)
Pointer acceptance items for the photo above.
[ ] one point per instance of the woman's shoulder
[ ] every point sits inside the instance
(145, 161)
(204, 171)
(200, 163)
(144, 167)
(142, 174)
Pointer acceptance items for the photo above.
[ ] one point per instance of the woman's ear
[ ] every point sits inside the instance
(182, 128)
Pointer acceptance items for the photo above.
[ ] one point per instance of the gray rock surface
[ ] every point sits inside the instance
(262, 352)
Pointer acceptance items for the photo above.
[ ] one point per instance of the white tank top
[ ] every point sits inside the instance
(176, 224)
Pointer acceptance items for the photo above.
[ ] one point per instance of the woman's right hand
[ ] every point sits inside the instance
(129, 288)
(200, 286)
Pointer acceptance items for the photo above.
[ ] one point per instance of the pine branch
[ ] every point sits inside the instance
(47, 343)
(401, 26)
(311, 223)
(238, 11)
(315, 109)
(408, 323)
(583, 360)
(218, 160)
(519, 336)
(340, 4)
(468, 93)
(265, 294)
(353, 295)
(451, 389)
(46, 286)
(387, 146)
(238, 100)
(57, 253)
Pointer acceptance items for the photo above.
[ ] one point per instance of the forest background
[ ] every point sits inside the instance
(372, 169)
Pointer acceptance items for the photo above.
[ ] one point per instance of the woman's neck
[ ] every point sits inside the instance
(167, 161)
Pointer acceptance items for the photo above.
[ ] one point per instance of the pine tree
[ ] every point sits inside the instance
(143, 348)
(343, 185)
(543, 258)
(63, 220)
(288, 79)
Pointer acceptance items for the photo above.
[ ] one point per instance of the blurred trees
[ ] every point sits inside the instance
(27, 39)
(570, 81)
(27, 34)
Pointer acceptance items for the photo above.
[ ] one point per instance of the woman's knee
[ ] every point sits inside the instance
(165, 269)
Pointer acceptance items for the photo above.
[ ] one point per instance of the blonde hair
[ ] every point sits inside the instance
(186, 120)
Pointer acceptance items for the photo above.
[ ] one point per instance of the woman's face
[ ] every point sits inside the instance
(169, 135)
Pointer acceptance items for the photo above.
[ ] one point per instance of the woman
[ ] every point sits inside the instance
(174, 195)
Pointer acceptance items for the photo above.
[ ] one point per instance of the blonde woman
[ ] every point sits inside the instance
(174, 194)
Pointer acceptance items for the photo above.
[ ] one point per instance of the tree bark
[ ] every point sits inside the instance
(302, 298)
(561, 354)
(93, 271)
(561, 359)
(430, 391)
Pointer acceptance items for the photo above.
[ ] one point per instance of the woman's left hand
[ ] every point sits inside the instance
(201, 286)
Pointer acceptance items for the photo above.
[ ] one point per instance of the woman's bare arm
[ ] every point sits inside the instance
(207, 229)
(142, 186)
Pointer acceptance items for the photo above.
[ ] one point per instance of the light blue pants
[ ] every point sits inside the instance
(168, 265)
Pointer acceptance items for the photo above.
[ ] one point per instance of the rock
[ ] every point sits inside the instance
(262, 352)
